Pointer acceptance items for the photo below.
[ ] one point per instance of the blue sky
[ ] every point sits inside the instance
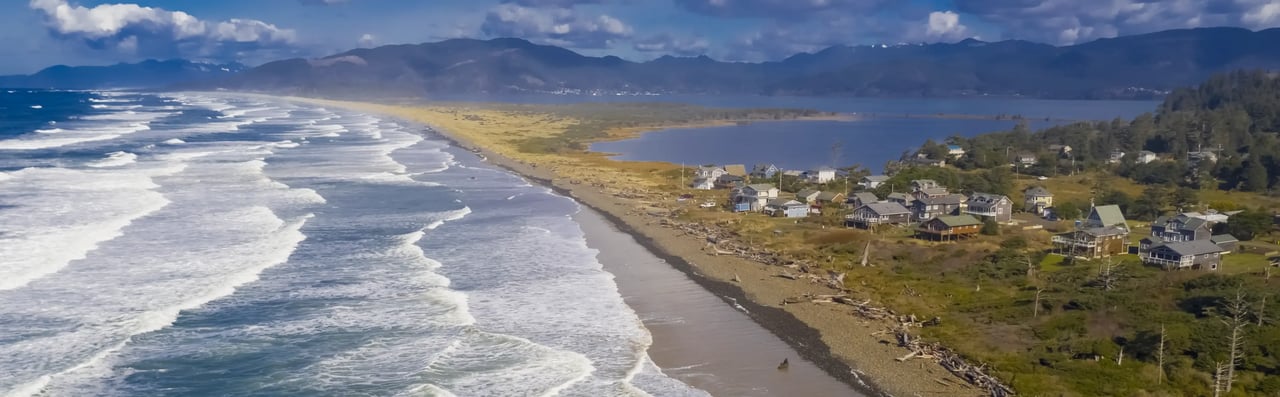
(40, 33)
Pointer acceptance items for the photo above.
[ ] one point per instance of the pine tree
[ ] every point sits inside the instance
(1255, 177)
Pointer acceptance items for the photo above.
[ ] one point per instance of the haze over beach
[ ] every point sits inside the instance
(620, 198)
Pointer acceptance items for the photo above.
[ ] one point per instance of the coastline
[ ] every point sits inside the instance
(849, 349)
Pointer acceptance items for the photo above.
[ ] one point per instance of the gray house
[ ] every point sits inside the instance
(1180, 228)
(808, 195)
(1197, 254)
(994, 206)
(873, 181)
(860, 199)
(876, 214)
(764, 171)
(926, 208)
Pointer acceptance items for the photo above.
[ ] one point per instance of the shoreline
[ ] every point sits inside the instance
(850, 349)
(804, 339)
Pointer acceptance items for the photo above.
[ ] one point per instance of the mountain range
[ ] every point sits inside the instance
(1135, 66)
(146, 74)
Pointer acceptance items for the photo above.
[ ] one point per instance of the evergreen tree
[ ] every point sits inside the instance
(1255, 177)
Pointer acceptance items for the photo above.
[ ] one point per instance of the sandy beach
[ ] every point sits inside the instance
(700, 338)
(850, 349)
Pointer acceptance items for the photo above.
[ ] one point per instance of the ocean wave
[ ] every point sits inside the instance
(115, 159)
(63, 137)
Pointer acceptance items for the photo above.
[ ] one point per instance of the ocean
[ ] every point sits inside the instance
(194, 244)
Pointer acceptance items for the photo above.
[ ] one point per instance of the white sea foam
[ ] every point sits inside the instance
(174, 141)
(37, 107)
(115, 159)
(49, 229)
(63, 137)
(449, 217)
(49, 131)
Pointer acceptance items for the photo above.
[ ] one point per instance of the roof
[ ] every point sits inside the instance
(948, 199)
(866, 197)
(808, 193)
(875, 178)
(1223, 238)
(826, 169)
(934, 191)
(887, 208)
(829, 196)
(1110, 215)
(958, 220)
(762, 167)
(987, 198)
(736, 169)
(784, 203)
(710, 168)
(1106, 231)
(900, 196)
(730, 178)
(1194, 247)
(1037, 191)
(1195, 223)
(924, 182)
(760, 187)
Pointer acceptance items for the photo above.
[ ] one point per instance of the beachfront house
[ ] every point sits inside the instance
(1102, 234)
(780, 208)
(1061, 150)
(728, 181)
(873, 181)
(925, 208)
(738, 170)
(704, 178)
(1196, 254)
(764, 171)
(1036, 200)
(872, 215)
(808, 195)
(828, 198)
(1145, 156)
(955, 151)
(1025, 159)
(753, 197)
(922, 184)
(821, 175)
(1116, 156)
(860, 199)
(906, 200)
(995, 206)
(949, 228)
(1182, 227)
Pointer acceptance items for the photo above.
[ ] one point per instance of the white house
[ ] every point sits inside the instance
(703, 184)
(873, 181)
(955, 151)
(709, 172)
(1145, 157)
(754, 197)
(1116, 156)
(821, 175)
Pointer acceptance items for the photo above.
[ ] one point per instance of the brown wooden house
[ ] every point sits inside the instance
(949, 228)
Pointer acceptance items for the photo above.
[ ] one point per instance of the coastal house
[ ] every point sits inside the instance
(1036, 200)
(903, 199)
(922, 184)
(1061, 150)
(753, 197)
(764, 171)
(948, 228)
(1196, 254)
(786, 208)
(860, 199)
(1202, 156)
(876, 214)
(1116, 156)
(728, 181)
(709, 172)
(1102, 234)
(808, 195)
(1025, 159)
(737, 170)
(995, 206)
(828, 198)
(926, 208)
(929, 193)
(955, 151)
(1227, 242)
(873, 181)
(703, 184)
(1182, 227)
(821, 175)
(1145, 156)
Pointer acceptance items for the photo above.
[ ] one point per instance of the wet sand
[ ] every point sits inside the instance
(698, 337)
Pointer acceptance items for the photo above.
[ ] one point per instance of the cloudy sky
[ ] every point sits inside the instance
(38, 33)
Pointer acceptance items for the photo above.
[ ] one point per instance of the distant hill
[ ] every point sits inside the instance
(1140, 66)
(146, 74)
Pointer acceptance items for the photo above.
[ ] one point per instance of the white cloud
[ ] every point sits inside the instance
(668, 44)
(558, 26)
(151, 31)
(945, 26)
(1263, 16)
(368, 40)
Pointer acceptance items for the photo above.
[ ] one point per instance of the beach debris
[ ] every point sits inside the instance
(784, 366)
(736, 279)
